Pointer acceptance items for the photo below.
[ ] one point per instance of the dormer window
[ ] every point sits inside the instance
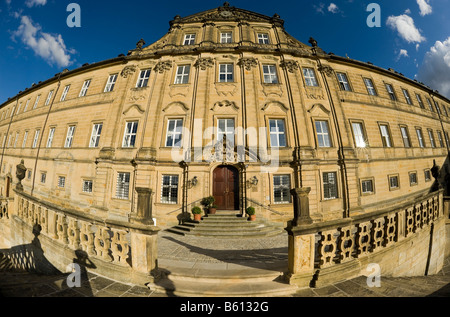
(189, 39)
(263, 38)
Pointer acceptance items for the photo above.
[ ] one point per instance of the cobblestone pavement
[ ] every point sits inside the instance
(216, 252)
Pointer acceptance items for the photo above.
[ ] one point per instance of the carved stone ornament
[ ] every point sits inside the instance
(140, 44)
(161, 67)
(248, 63)
(204, 63)
(225, 103)
(291, 66)
(20, 174)
(326, 69)
(128, 70)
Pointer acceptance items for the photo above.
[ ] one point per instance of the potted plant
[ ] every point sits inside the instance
(251, 213)
(197, 212)
(208, 203)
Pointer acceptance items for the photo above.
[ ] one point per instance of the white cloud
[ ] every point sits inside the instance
(31, 3)
(49, 47)
(407, 11)
(404, 25)
(319, 8)
(333, 8)
(424, 7)
(403, 53)
(435, 70)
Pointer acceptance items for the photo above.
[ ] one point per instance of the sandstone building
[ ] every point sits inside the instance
(226, 104)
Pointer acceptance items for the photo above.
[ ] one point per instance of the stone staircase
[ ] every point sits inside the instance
(225, 224)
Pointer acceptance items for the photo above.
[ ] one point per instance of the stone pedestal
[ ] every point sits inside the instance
(301, 206)
(144, 250)
(144, 207)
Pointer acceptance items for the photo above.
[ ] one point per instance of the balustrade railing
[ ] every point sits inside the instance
(4, 208)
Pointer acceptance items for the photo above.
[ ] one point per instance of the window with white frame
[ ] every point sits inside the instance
(277, 132)
(182, 76)
(430, 134)
(25, 139)
(95, 135)
(61, 181)
(343, 81)
(370, 87)
(310, 77)
(51, 133)
(85, 88)
(427, 175)
(270, 74)
(358, 133)
(169, 189)
(323, 134)
(225, 128)
(407, 97)
(37, 101)
(26, 105)
(226, 37)
(430, 106)
(16, 139)
(110, 83)
(419, 100)
(263, 38)
(281, 189)
(405, 136)
(65, 92)
(69, 136)
(36, 138)
(9, 139)
(329, 185)
(123, 185)
(174, 133)
(226, 73)
(12, 111)
(18, 108)
(441, 140)
(385, 135)
(144, 76)
(420, 137)
(437, 107)
(367, 186)
(413, 178)
(49, 98)
(87, 186)
(189, 39)
(447, 140)
(129, 137)
(391, 92)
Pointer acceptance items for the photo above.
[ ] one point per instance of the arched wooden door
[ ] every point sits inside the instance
(226, 188)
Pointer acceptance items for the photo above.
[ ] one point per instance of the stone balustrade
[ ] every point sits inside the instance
(128, 247)
(350, 242)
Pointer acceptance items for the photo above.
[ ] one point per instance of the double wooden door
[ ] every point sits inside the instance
(226, 188)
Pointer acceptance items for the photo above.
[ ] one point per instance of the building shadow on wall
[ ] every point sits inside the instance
(441, 175)
(26, 272)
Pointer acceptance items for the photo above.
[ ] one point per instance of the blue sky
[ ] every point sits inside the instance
(36, 42)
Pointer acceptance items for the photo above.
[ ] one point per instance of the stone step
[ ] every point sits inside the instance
(265, 232)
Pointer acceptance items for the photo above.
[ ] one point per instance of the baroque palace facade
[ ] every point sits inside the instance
(226, 104)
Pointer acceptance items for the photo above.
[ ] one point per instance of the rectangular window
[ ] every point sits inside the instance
(182, 76)
(25, 139)
(358, 134)
(69, 137)
(447, 141)
(420, 137)
(391, 92)
(430, 106)
(65, 92)
(413, 178)
(189, 39)
(437, 107)
(9, 139)
(129, 137)
(36, 138)
(144, 75)
(393, 182)
(123, 185)
(330, 185)
(323, 134)
(111, 83)
(367, 186)
(226, 37)
(174, 133)
(85, 88)
(385, 135)
(51, 133)
(87, 186)
(281, 189)
(407, 97)
(26, 105)
(95, 135)
(43, 177)
(343, 81)
(61, 181)
(36, 102)
(277, 133)
(169, 189)
(405, 136)
(30, 172)
(430, 134)
(441, 140)
(226, 73)
(225, 128)
(49, 98)
(419, 100)
(16, 139)
(270, 74)
(18, 108)
(263, 38)
(427, 175)
(370, 87)
(310, 77)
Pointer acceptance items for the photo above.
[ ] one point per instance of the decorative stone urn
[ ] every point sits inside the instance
(20, 174)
